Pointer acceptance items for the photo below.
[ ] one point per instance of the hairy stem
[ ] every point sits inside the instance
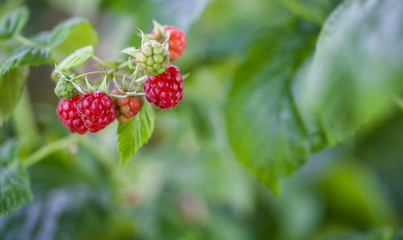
(134, 77)
(101, 62)
(120, 67)
(87, 74)
(107, 73)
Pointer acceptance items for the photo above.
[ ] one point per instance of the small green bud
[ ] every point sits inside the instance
(65, 89)
(153, 58)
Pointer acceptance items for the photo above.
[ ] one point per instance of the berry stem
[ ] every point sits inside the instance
(116, 83)
(134, 77)
(87, 74)
(141, 79)
(108, 73)
(101, 62)
(120, 67)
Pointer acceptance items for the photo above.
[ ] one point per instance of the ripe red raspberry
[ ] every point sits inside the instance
(67, 111)
(166, 89)
(127, 107)
(177, 41)
(96, 110)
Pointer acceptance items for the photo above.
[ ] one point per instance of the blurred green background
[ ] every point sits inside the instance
(185, 183)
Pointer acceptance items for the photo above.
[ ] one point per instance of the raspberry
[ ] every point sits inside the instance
(67, 111)
(96, 110)
(177, 42)
(64, 89)
(153, 58)
(127, 107)
(166, 89)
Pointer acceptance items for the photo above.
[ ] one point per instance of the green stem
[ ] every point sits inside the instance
(48, 149)
(108, 73)
(87, 74)
(101, 62)
(302, 11)
(26, 41)
(120, 67)
(134, 77)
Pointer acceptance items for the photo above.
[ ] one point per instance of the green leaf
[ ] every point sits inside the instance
(13, 22)
(265, 127)
(70, 35)
(14, 181)
(10, 89)
(76, 58)
(25, 56)
(357, 67)
(134, 133)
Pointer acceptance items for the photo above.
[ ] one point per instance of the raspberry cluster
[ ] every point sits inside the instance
(85, 108)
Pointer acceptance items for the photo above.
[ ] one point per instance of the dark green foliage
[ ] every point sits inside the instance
(265, 126)
(14, 181)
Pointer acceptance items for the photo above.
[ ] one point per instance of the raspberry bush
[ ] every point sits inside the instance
(273, 85)
(86, 101)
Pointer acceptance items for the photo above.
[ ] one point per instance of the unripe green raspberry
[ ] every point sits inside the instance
(64, 89)
(153, 58)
